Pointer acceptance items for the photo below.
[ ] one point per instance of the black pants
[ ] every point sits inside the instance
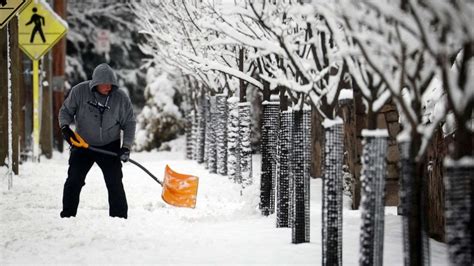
(80, 162)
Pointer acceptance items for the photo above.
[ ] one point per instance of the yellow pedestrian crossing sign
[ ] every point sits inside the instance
(39, 29)
(9, 8)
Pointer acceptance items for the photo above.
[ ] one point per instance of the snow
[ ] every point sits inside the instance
(327, 123)
(346, 94)
(270, 103)
(375, 133)
(404, 136)
(224, 228)
(466, 161)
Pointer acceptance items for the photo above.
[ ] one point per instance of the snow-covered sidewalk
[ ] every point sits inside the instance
(224, 228)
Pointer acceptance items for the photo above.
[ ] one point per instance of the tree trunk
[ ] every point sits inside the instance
(242, 87)
(436, 152)
(463, 145)
(317, 143)
(416, 244)
(360, 124)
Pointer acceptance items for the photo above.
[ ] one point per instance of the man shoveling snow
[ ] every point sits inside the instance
(100, 111)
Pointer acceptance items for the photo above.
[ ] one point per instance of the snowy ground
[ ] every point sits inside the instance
(224, 228)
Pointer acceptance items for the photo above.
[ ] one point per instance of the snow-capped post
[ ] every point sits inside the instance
(211, 160)
(221, 134)
(332, 192)
(459, 182)
(301, 159)
(245, 149)
(372, 202)
(233, 151)
(270, 127)
(201, 128)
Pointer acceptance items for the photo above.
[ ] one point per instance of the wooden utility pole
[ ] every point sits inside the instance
(15, 82)
(3, 96)
(46, 124)
(59, 66)
(21, 114)
(26, 103)
(9, 52)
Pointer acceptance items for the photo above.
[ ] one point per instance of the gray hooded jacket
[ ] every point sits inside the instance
(99, 118)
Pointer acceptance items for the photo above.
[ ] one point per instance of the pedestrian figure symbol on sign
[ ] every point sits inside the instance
(39, 22)
(3, 2)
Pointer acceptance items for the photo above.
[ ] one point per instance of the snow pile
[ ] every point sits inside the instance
(161, 119)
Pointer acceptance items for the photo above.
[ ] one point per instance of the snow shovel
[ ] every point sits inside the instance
(178, 189)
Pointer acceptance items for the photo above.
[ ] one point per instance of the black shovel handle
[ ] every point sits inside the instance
(130, 160)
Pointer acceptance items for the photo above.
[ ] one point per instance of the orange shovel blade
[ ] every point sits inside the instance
(179, 189)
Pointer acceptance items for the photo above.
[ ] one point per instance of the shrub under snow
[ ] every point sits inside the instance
(161, 119)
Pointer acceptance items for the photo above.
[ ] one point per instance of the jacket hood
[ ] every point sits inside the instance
(103, 74)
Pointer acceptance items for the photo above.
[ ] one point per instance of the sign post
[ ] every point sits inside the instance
(39, 30)
(36, 125)
(8, 10)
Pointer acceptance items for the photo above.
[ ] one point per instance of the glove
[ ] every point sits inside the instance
(124, 154)
(68, 134)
